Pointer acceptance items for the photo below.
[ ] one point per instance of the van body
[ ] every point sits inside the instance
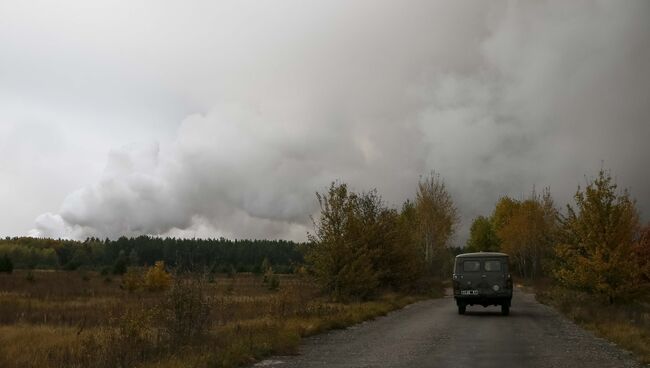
(482, 278)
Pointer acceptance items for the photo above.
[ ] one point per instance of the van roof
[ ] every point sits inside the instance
(482, 254)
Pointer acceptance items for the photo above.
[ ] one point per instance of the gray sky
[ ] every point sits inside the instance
(223, 118)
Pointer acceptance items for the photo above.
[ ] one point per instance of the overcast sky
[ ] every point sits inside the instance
(223, 118)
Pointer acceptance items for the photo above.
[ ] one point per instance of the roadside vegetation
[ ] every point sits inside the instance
(74, 319)
(591, 261)
(361, 246)
(152, 302)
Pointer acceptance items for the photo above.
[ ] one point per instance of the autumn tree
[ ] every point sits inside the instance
(157, 278)
(482, 237)
(596, 249)
(340, 262)
(641, 253)
(359, 245)
(503, 212)
(526, 231)
(437, 218)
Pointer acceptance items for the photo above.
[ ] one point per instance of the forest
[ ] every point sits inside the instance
(214, 255)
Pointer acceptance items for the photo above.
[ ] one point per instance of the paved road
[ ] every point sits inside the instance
(432, 334)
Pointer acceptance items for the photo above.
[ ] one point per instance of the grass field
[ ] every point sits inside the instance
(627, 325)
(82, 319)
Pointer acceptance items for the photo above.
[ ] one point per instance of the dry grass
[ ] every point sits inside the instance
(69, 319)
(627, 325)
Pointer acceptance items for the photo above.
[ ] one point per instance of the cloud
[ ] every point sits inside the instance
(496, 97)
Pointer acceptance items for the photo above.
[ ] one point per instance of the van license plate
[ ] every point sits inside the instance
(469, 292)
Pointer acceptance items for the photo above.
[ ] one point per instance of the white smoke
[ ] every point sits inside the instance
(496, 97)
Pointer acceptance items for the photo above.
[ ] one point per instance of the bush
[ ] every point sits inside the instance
(131, 280)
(271, 280)
(71, 266)
(120, 266)
(130, 342)
(6, 265)
(186, 311)
(274, 283)
(156, 278)
(231, 271)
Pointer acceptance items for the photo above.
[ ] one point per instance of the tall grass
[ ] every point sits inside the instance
(69, 319)
(628, 325)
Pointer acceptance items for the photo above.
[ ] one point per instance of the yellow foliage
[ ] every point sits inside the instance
(131, 280)
(525, 230)
(156, 278)
(597, 246)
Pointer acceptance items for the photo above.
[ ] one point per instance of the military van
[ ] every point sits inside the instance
(482, 278)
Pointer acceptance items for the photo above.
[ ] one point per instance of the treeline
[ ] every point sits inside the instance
(361, 246)
(597, 246)
(216, 255)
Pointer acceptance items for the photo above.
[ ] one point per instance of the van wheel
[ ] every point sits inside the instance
(505, 309)
(461, 308)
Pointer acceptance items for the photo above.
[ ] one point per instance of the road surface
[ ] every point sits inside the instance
(432, 334)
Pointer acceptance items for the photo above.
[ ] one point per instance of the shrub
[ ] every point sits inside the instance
(131, 280)
(186, 311)
(271, 280)
(156, 278)
(6, 265)
(130, 342)
(231, 271)
(120, 265)
(274, 282)
(85, 276)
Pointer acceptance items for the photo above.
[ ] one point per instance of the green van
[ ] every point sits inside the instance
(482, 278)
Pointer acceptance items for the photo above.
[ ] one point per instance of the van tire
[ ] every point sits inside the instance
(505, 309)
(461, 308)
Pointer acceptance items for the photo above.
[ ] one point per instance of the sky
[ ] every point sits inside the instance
(224, 118)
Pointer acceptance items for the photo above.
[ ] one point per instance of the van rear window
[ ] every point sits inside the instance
(471, 266)
(492, 266)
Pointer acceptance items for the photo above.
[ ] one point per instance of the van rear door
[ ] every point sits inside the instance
(469, 271)
(494, 275)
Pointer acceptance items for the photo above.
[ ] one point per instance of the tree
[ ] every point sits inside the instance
(156, 278)
(340, 260)
(482, 236)
(596, 250)
(642, 255)
(437, 218)
(359, 245)
(503, 212)
(526, 231)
